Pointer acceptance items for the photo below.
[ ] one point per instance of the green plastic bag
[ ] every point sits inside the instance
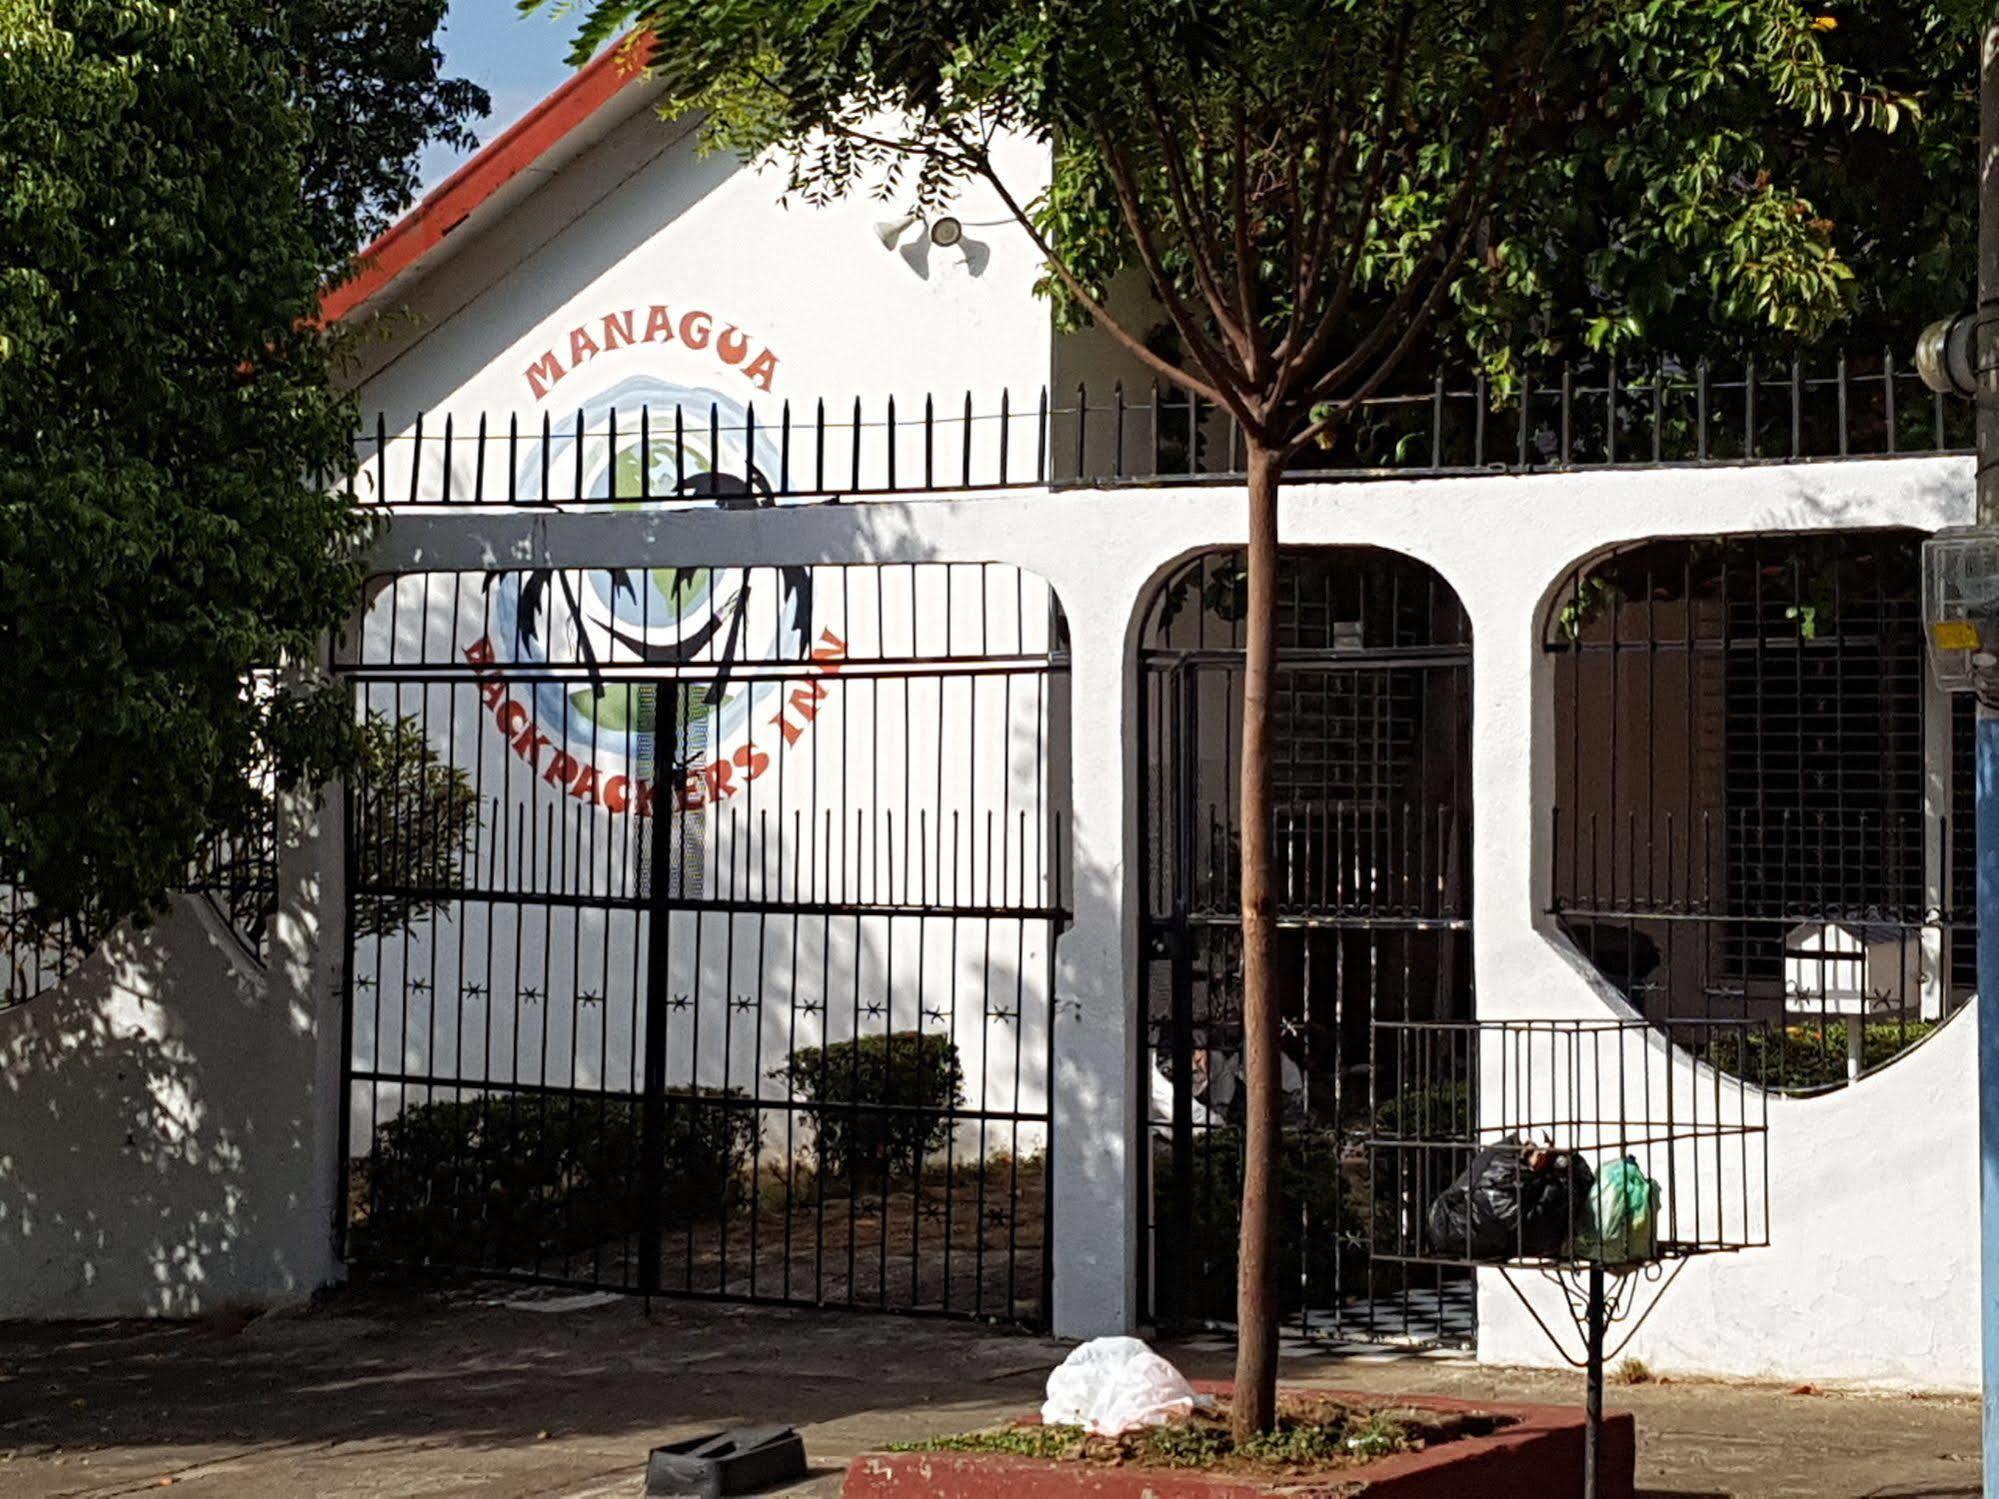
(1625, 1207)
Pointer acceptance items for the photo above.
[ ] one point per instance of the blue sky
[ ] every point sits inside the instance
(516, 59)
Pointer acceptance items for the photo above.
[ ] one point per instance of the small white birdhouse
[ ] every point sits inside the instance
(1856, 970)
(1852, 968)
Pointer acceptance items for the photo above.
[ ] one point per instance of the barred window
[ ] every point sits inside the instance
(1761, 801)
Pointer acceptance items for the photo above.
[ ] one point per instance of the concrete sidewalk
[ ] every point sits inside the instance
(496, 1391)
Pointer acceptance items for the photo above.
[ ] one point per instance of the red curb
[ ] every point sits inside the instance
(1538, 1456)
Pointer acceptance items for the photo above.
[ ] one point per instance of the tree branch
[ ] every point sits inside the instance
(1294, 364)
(1231, 380)
(1255, 352)
(1123, 336)
(1325, 216)
(1464, 210)
(1382, 371)
(1438, 284)
(1309, 217)
(1203, 243)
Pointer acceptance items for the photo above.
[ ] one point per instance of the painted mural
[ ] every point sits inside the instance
(861, 811)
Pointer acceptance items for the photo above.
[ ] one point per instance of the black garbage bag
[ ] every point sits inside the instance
(1514, 1201)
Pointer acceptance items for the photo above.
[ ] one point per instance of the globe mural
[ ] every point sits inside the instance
(694, 450)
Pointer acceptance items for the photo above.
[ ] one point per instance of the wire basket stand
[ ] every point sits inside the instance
(1597, 1155)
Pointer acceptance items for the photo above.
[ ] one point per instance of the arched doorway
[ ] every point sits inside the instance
(1373, 809)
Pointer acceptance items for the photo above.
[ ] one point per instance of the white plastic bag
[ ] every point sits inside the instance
(1109, 1386)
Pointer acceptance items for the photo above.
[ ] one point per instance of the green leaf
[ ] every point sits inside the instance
(177, 184)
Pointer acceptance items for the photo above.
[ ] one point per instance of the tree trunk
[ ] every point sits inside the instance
(1255, 1401)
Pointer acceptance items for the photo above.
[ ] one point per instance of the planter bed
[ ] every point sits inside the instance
(1496, 1452)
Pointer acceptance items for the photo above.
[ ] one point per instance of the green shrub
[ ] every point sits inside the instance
(879, 1104)
(1445, 1112)
(416, 821)
(511, 1181)
(1801, 1057)
(1321, 1231)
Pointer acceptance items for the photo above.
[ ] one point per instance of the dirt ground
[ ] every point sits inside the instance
(964, 1239)
(496, 1391)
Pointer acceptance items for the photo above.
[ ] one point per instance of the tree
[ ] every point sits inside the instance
(177, 184)
(367, 73)
(1312, 188)
(416, 820)
(1898, 205)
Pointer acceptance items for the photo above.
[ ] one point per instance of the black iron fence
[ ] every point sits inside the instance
(237, 876)
(1609, 413)
(1683, 1105)
(1373, 839)
(37, 953)
(706, 947)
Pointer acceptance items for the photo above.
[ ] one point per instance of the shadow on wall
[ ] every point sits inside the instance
(154, 1133)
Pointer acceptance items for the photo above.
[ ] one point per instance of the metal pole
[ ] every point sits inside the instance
(1987, 760)
(1988, 1079)
(659, 917)
(1985, 336)
(1593, 1399)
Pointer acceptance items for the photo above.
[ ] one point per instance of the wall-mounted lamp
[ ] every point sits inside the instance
(943, 233)
(1945, 358)
(888, 231)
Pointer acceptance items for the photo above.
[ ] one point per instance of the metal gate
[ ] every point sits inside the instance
(1373, 812)
(702, 931)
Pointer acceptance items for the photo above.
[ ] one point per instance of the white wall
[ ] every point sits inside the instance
(1872, 1274)
(223, 1081)
(1873, 1263)
(168, 1115)
(841, 315)
(1873, 1197)
(738, 302)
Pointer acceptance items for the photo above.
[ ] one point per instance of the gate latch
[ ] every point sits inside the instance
(736, 1461)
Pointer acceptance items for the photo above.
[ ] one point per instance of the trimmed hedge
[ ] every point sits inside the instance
(509, 1181)
(879, 1104)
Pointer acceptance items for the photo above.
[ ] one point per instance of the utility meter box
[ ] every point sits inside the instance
(1961, 609)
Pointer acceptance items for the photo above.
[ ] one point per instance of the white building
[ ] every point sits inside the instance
(952, 769)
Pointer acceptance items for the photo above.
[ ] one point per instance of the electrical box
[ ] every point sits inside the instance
(1961, 610)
